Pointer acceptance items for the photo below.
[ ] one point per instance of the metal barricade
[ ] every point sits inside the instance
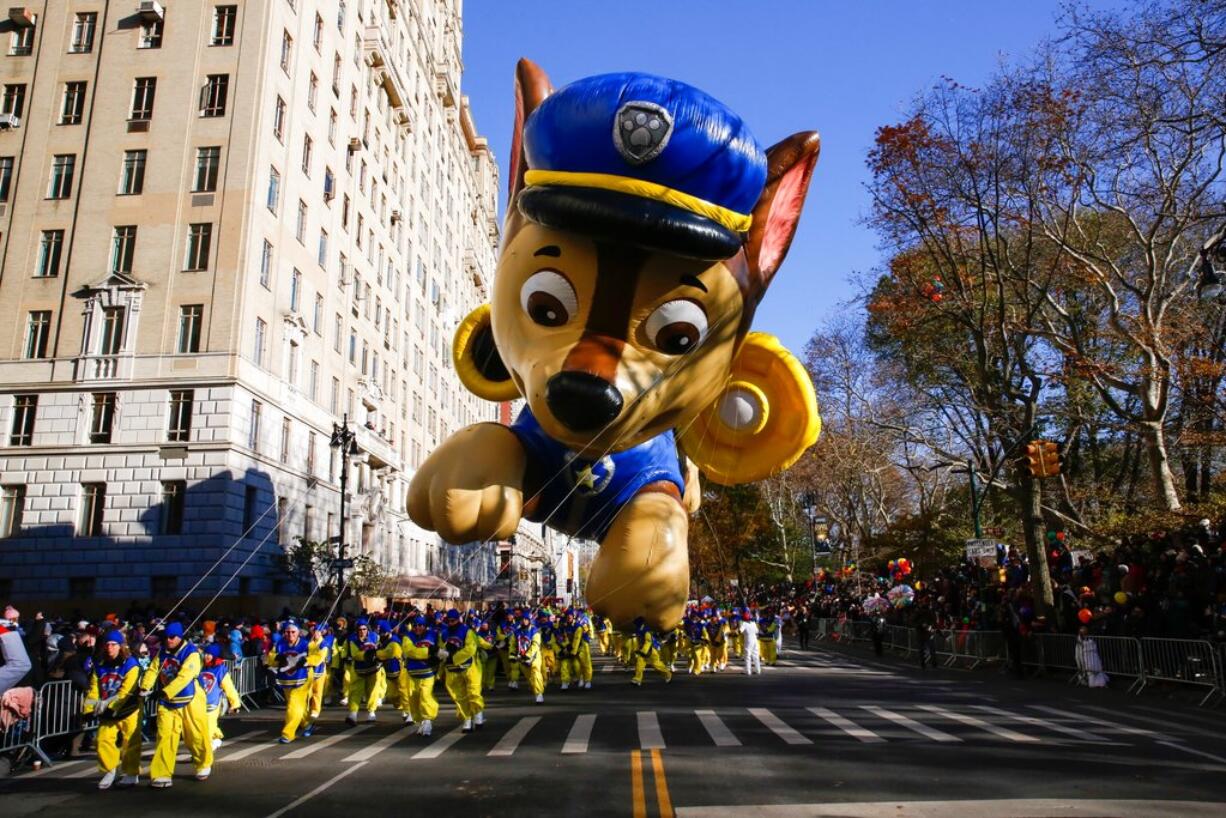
(21, 734)
(1120, 657)
(59, 714)
(1182, 661)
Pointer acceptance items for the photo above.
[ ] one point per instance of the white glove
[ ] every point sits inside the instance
(443, 654)
(92, 703)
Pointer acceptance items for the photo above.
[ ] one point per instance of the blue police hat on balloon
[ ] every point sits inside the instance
(640, 158)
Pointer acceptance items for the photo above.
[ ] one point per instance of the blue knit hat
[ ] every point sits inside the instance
(116, 637)
(213, 650)
(174, 629)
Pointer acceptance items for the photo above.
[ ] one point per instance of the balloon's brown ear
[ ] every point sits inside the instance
(789, 167)
(531, 88)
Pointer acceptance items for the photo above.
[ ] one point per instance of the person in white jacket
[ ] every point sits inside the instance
(1089, 663)
(14, 661)
(749, 632)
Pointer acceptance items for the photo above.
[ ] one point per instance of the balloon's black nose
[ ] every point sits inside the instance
(582, 402)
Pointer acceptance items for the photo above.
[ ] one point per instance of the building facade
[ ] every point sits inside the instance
(224, 228)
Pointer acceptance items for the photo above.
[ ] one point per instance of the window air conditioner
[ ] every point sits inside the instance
(150, 10)
(8, 121)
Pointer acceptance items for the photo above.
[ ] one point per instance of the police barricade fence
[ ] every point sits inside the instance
(1183, 661)
(901, 639)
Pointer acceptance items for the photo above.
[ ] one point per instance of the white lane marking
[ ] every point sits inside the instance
(847, 725)
(1182, 748)
(1034, 721)
(88, 772)
(1001, 808)
(972, 721)
(316, 746)
(650, 737)
(580, 734)
(239, 755)
(777, 726)
(507, 744)
(372, 750)
(910, 724)
(608, 669)
(440, 745)
(716, 728)
(57, 767)
(1169, 722)
(1108, 725)
(317, 790)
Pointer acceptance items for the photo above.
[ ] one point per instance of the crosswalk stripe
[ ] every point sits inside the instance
(59, 767)
(239, 755)
(1183, 749)
(507, 744)
(962, 718)
(716, 728)
(777, 726)
(580, 734)
(847, 725)
(88, 772)
(316, 746)
(1119, 728)
(608, 668)
(440, 745)
(910, 724)
(1084, 735)
(369, 752)
(650, 737)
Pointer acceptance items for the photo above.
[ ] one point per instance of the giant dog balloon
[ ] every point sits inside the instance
(643, 227)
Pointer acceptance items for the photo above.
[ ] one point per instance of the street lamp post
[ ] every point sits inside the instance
(1212, 262)
(343, 441)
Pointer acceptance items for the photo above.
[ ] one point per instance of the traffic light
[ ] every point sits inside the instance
(1043, 458)
(1034, 457)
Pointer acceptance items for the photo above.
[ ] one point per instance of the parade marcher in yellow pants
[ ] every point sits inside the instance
(115, 697)
(601, 627)
(292, 656)
(668, 647)
(392, 658)
(696, 632)
(767, 626)
(217, 684)
(717, 634)
(528, 655)
(419, 649)
(181, 708)
(458, 652)
(321, 674)
(647, 652)
(360, 654)
(487, 655)
(582, 649)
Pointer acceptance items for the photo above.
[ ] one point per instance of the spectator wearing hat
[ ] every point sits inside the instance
(215, 678)
(113, 693)
(14, 660)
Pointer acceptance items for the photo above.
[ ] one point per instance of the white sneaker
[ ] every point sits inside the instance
(427, 727)
(344, 701)
(351, 719)
(479, 720)
(540, 699)
(203, 775)
(216, 743)
(108, 779)
(512, 685)
(161, 783)
(126, 781)
(371, 716)
(408, 719)
(468, 726)
(566, 685)
(587, 685)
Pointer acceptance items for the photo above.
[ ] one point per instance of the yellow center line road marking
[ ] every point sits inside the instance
(657, 769)
(636, 784)
(317, 790)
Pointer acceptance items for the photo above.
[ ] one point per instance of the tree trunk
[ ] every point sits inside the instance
(1160, 466)
(1036, 550)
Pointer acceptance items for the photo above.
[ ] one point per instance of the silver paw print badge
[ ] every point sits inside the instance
(641, 131)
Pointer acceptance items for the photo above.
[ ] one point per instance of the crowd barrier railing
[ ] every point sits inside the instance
(1183, 661)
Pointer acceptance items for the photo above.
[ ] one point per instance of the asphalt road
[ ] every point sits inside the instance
(825, 733)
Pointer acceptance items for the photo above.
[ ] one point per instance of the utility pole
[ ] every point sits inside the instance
(343, 440)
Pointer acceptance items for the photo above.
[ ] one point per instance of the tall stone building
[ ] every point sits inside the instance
(226, 226)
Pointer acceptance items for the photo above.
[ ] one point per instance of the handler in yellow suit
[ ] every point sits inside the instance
(217, 684)
(292, 656)
(181, 708)
(458, 652)
(527, 647)
(360, 654)
(647, 652)
(113, 694)
(419, 648)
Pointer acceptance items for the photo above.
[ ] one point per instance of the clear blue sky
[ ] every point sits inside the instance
(842, 69)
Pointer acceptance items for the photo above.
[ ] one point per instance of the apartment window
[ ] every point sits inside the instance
(63, 166)
(224, 19)
(334, 397)
(312, 91)
(12, 508)
(266, 265)
(143, 93)
(132, 178)
(179, 424)
(295, 290)
(251, 496)
(261, 340)
(191, 319)
(25, 407)
(253, 438)
(112, 331)
(300, 228)
(278, 120)
(14, 100)
(73, 108)
(332, 127)
(337, 331)
(287, 50)
(23, 41)
(274, 189)
(38, 330)
(317, 319)
(208, 162)
(93, 501)
(6, 177)
(285, 436)
(312, 443)
(329, 185)
(102, 417)
(318, 37)
(308, 148)
(322, 256)
(123, 248)
(50, 248)
(313, 385)
(174, 495)
(83, 27)
(150, 34)
(213, 95)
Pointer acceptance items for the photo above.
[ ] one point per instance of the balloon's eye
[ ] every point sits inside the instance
(676, 327)
(548, 298)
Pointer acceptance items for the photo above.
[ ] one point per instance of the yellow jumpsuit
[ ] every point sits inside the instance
(416, 651)
(700, 658)
(528, 657)
(295, 683)
(646, 653)
(117, 702)
(463, 679)
(181, 711)
(601, 626)
(668, 648)
(766, 642)
(320, 680)
(230, 692)
(504, 635)
(363, 668)
(391, 656)
(718, 634)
